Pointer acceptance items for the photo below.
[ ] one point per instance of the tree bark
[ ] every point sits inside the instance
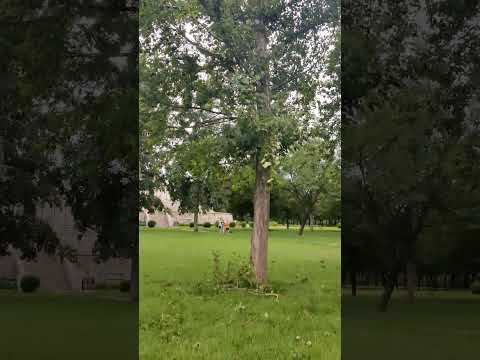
(195, 221)
(388, 287)
(259, 242)
(134, 274)
(261, 208)
(353, 280)
(303, 222)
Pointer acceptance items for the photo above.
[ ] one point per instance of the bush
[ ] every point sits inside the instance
(475, 287)
(207, 225)
(125, 286)
(243, 224)
(192, 224)
(8, 284)
(251, 224)
(233, 224)
(29, 283)
(152, 223)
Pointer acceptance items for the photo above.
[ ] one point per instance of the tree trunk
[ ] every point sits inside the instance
(353, 280)
(288, 223)
(134, 274)
(411, 281)
(261, 208)
(303, 222)
(195, 221)
(388, 287)
(259, 242)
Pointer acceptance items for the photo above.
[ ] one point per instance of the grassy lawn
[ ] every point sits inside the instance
(74, 327)
(178, 322)
(440, 325)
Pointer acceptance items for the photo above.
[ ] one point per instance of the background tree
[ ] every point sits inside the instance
(309, 172)
(194, 175)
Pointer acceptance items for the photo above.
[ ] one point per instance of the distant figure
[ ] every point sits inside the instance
(222, 226)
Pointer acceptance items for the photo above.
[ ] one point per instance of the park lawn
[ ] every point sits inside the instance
(178, 322)
(440, 325)
(75, 327)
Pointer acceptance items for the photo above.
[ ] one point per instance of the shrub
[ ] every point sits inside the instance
(233, 224)
(152, 223)
(207, 225)
(243, 224)
(8, 284)
(192, 224)
(125, 286)
(29, 283)
(251, 224)
(475, 287)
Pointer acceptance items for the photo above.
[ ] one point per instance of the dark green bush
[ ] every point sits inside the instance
(29, 283)
(8, 284)
(475, 287)
(192, 224)
(152, 223)
(125, 286)
(243, 224)
(251, 224)
(233, 224)
(207, 225)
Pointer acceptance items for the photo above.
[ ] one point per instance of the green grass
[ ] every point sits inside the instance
(75, 327)
(442, 325)
(178, 322)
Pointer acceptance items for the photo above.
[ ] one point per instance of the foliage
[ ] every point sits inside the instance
(151, 223)
(308, 173)
(8, 284)
(29, 283)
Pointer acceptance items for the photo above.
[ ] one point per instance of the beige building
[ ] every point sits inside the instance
(172, 216)
(56, 275)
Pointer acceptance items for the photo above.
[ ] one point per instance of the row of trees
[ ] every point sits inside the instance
(409, 141)
(229, 87)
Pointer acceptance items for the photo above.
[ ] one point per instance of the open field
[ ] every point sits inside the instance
(440, 325)
(75, 327)
(178, 321)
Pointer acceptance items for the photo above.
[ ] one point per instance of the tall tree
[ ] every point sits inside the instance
(252, 69)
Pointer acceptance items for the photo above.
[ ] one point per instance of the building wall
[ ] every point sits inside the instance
(173, 217)
(55, 275)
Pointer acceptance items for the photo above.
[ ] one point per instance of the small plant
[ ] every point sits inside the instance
(192, 224)
(152, 223)
(243, 224)
(233, 224)
(251, 224)
(29, 283)
(125, 286)
(207, 225)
